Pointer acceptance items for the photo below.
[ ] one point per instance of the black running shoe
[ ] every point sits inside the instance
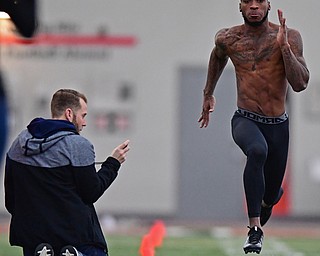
(44, 249)
(254, 240)
(69, 250)
(267, 211)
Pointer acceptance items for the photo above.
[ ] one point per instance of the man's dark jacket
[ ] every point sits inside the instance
(51, 184)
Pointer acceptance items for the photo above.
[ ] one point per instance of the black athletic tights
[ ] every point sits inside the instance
(266, 148)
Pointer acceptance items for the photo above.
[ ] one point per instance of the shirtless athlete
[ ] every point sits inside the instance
(267, 57)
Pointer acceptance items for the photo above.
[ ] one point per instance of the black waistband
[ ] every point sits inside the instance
(262, 119)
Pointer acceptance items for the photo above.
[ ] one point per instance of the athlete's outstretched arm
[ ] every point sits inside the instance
(217, 62)
(291, 45)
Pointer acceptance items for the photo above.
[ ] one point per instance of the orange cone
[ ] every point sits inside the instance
(146, 247)
(157, 233)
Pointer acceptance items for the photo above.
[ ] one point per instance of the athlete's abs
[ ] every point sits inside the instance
(262, 96)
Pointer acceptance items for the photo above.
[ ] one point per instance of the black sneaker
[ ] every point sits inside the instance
(44, 249)
(267, 211)
(69, 250)
(254, 240)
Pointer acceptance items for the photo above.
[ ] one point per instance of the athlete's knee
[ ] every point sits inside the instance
(258, 151)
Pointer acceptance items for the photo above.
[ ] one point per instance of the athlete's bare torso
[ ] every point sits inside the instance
(260, 73)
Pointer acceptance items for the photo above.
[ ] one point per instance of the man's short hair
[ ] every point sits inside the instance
(66, 98)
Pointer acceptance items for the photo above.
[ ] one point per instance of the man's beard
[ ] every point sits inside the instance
(255, 23)
(74, 121)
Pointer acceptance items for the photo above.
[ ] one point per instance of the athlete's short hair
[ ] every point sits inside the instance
(66, 98)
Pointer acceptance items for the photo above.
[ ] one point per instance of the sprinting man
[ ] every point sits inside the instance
(51, 183)
(267, 57)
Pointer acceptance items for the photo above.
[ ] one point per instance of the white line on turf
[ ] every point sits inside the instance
(275, 246)
(232, 245)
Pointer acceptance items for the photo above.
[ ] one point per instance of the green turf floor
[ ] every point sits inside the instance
(198, 245)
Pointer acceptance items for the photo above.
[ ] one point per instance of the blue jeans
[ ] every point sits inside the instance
(91, 251)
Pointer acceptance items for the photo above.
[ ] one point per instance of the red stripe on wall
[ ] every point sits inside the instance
(48, 39)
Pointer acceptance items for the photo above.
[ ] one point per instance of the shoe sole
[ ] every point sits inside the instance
(69, 250)
(252, 250)
(44, 246)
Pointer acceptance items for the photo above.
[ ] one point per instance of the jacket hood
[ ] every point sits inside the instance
(41, 134)
(43, 128)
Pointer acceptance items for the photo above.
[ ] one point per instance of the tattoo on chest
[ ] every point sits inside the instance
(252, 51)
